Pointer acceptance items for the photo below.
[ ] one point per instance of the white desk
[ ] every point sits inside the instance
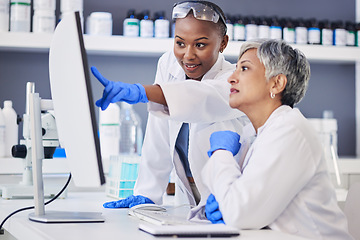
(118, 224)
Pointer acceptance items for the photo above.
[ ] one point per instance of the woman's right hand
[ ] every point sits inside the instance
(128, 202)
(225, 140)
(119, 91)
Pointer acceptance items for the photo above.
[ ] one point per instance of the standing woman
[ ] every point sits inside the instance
(188, 101)
(279, 178)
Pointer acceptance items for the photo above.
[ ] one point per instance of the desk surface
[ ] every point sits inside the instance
(118, 224)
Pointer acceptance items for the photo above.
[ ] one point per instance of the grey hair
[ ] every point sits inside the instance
(278, 57)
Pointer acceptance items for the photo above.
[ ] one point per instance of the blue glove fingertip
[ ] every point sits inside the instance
(211, 198)
(98, 102)
(108, 205)
(98, 75)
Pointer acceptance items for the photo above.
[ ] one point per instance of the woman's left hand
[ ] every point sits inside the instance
(212, 210)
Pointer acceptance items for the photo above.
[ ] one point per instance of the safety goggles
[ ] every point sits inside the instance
(201, 11)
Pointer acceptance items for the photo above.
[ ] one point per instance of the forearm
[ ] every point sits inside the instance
(155, 94)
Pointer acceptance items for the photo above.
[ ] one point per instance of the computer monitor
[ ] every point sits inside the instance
(74, 112)
(73, 103)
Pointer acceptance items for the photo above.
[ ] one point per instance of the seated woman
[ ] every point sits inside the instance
(278, 179)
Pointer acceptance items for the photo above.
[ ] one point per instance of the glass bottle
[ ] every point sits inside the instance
(130, 125)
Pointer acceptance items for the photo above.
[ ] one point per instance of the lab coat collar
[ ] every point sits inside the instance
(277, 112)
(177, 72)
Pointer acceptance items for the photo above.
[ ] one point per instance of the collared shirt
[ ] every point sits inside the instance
(205, 106)
(283, 182)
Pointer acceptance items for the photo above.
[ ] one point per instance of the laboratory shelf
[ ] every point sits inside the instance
(125, 46)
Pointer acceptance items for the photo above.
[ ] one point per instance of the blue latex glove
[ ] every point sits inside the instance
(212, 210)
(128, 202)
(226, 140)
(119, 91)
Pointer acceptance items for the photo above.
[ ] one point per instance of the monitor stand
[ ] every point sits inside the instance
(37, 152)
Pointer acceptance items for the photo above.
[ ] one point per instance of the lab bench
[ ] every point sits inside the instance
(118, 224)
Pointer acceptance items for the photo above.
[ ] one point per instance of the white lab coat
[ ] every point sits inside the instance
(280, 181)
(204, 105)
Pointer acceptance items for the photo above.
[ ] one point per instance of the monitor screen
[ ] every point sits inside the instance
(74, 107)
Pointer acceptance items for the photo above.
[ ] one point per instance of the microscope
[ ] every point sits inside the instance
(50, 142)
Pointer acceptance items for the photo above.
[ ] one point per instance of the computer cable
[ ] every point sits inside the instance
(32, 207)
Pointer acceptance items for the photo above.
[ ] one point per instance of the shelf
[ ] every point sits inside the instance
(124, 46)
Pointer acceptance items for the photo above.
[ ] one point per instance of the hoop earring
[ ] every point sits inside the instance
(272, 95)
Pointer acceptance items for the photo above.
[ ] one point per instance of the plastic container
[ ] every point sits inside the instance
(350, 34)
(122, 176)
(239, 29)
(275, 29)
(44, 18)
(44, 5)
(44, 21)
(230, 28)
(326, 33)
(109, 131)
(99, 24)
(161, 25)
(251, 29)
(339, 33)
(131, 25)
(289, 31)
(20, 15)
(264, 28)
(301, 32)
(146, 25)
(130, 130)
(314, 33)
(71, 6)
(2, 135)
(11, 127)
(4, 15)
